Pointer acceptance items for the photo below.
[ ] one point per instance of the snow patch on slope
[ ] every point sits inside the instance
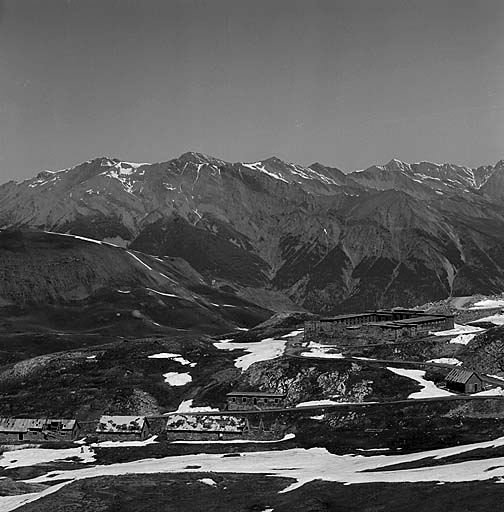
(186, 406)
(177, 379)
(175, 357)
(258, 166)
(429, 389)
(264, 350)
(324, 351)
(488, 304)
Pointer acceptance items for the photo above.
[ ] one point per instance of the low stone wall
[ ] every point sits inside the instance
(34, 437)
(6, 437)
(116, 436)
(181, 435)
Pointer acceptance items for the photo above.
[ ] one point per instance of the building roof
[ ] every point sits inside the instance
(408, 310)
(345, 317)
(419, 315)
(257, 394)
(26, 424)
(460, 376)
(121, 424)
(421, 319)
(60, 424)
(401, 310)
(384, 325)
(205, 423)
(21, 424)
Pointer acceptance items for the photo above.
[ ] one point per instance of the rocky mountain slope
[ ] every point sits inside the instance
(398, 234)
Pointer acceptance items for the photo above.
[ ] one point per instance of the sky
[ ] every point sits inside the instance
(348, 83)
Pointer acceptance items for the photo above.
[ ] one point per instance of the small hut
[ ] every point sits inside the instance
(464, 381)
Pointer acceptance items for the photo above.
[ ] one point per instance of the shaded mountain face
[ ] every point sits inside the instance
(52, 282)
(280, 234)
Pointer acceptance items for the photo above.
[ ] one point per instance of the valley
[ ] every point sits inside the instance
(154, 290)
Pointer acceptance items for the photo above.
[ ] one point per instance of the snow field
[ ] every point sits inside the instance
(31, 456)
(299, 464)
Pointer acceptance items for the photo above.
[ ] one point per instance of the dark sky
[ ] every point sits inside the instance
(346, 83)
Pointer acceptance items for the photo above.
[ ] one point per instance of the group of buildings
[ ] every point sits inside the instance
(229, 424)
(41, 429)
(38, 429)
(216, 425)
(382, 325)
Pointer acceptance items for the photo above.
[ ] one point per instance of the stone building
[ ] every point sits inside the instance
(384, 325)
(38, 429)
(62, 429)
(201, 426)
(122, 428)
(254, 400)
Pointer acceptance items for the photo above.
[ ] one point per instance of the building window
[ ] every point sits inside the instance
(244, 399)
(21, 436)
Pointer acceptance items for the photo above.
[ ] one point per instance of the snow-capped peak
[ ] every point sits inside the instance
(200, 158)
(397, 165)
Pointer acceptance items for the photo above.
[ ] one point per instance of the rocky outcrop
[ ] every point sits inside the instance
(485, 352)
(342, 381)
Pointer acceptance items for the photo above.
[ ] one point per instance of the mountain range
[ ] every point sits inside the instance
(276, 234)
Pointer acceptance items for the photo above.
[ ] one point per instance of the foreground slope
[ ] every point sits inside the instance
(52, 282)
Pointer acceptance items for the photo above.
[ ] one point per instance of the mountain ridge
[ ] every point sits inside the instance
(329, 241)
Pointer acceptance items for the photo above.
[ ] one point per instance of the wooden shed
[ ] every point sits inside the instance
(122, 428)
(464, 381)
